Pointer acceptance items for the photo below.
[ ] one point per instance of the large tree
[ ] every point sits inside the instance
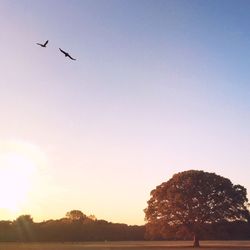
(192, 199)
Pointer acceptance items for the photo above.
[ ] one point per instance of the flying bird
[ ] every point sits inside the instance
(67, 54)
(43, 45)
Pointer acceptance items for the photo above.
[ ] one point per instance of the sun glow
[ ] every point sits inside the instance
(19, 169)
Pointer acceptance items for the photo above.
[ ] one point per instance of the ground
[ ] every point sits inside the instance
(128, 245)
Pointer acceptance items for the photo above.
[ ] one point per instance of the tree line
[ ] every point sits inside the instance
(215, 231)
(76, 226)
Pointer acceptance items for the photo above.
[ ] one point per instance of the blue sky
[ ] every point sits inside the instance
(158, 87)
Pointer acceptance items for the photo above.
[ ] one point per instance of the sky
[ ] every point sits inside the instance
(158, 87)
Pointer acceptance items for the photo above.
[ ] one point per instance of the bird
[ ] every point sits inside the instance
(43, 45)
(67, 54)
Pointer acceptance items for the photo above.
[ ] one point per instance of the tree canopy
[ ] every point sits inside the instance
(192, 199)
(26, 218)
(75, 215)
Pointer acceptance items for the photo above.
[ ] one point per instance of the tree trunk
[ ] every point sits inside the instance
(196, 242)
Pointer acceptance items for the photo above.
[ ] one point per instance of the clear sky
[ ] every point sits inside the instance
(158, 87)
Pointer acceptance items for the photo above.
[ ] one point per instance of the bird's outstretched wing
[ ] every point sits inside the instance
(46, 43)
(63, 51)
(39, 44)
(71, 57)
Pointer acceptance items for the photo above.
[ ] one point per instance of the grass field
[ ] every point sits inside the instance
(129, 245)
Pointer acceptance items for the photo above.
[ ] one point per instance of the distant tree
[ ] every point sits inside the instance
(24, 219)
(24, 228)
(192, 199)
(76, 215)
